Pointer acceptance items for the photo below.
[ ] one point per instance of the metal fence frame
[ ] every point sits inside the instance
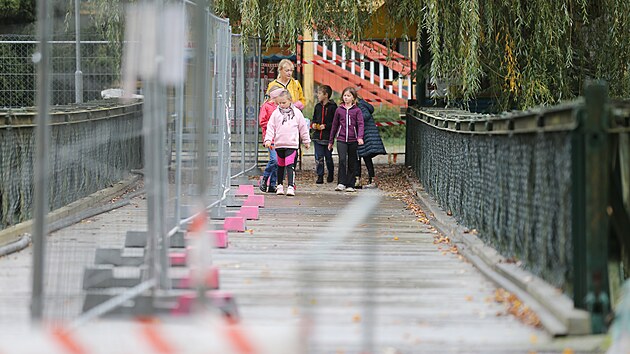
(189, 150)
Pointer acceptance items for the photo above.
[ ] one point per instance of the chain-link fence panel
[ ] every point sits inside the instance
(244, 104)
(220, 123)
(100, 63)
(253, 101)
(237, 107)
(93, 147)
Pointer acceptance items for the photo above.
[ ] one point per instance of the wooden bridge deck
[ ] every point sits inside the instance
(386, 284)
(423, 298)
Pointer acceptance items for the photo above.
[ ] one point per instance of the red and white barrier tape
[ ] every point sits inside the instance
(333, 61)
(404, 65)
(390, 124)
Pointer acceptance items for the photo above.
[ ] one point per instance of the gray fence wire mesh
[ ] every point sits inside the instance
(92, 146)
(100, 67)
(244, 104)
(100, 143)
(514, 189)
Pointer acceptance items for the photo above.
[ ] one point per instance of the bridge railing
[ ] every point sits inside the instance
(544, 187)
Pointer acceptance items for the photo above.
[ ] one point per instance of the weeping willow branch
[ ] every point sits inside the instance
(520, 52)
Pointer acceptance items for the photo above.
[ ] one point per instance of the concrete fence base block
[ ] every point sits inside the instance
(234, 201)
(177, 259)
(114, 256)
(255, 200)
(245, 189)
(139, 239)
(219, 238)
(235, 223)
(102, 278)
(249, 212)
(211, 280)
(218, 299)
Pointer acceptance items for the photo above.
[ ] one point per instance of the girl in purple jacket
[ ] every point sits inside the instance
(347, 128)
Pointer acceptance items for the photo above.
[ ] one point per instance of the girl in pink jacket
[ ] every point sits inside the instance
(269, 178)
(285, 128)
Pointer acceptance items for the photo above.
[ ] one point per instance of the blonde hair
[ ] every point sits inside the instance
(285, 93)
(283, 63)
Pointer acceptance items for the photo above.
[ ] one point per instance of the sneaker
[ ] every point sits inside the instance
(279, 190)
(271, 189)
(350, 189)
(371, 185)
(290, 191)
(262, 184)
(320, 180)
(330, 177)
(340, 187)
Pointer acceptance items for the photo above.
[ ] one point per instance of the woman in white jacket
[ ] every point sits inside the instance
(285, 128)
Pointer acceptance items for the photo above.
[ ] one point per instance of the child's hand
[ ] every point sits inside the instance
(330, 147)
(307, 146)
(322, 126)
(267, 144)
(360, 141)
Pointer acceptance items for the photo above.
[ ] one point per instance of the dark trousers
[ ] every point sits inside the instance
(323, 154)
(271, 170)
(369, 164)
(347, 163)
(286, 162)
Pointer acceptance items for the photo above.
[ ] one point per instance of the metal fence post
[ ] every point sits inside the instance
(240, 91)
(42, 59)
(78, 74)
(590, 207)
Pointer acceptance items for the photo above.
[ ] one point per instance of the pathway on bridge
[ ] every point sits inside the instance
(425, 298)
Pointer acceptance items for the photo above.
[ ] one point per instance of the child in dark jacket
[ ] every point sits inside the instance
(347, 127)
(321, 125)
(372, 143)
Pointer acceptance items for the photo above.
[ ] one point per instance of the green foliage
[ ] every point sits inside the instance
(9, 6)
(529, 52)
(282, 21)
(108, 18)
(522, 53)
(17, 11)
